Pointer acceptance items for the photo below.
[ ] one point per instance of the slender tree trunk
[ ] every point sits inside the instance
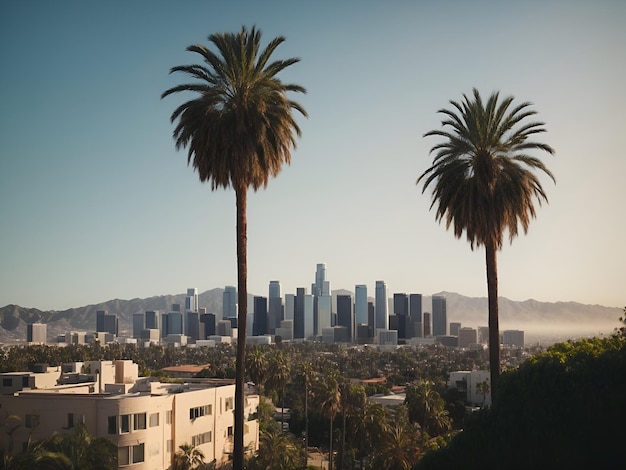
(242, 291)
(306, 421)
(494, 329)
(330, 446)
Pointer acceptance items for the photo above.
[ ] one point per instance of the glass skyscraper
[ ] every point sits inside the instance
(382, 318)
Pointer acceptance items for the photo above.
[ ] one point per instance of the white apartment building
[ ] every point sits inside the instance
(146, 419)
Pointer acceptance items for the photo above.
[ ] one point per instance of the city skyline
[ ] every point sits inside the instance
(97, 204)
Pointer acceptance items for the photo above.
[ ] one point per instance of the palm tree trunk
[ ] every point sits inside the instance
(242, 290)
(494, 330)
(330, 446)
(306, 421)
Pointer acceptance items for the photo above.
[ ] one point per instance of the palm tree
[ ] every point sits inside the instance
(256, 365)
(484, 389)
(188, 457)
(77, 450)
(239, 130)
(328, 397)
(484, 182)
(399, 449)
(277, 451)
(279, 375)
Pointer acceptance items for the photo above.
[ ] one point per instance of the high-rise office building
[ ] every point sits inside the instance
(152, 319)
(514, 338)
(426, 325)
(193, 326)
(360, 304)
(382, 317)
(324, 313)
(110, 323)
(174, 323)
(275, 307)
(466, 336)
(290, 300)
(100, 320)
(229, 303)
(207, 325)
(191, 300)
(415, 312)
(139, 324)
(298, 313)
(440, 318)
(309, 314)
(401, 310)
(321, 285)
(259, 325)
(36, 333)
(345, 315)
(454, 328)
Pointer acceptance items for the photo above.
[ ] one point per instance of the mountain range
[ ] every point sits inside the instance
(542, 321)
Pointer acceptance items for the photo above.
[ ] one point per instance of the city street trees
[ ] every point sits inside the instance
(238, 130)
(485, 182)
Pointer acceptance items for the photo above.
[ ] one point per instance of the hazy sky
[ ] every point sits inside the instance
(96, 203)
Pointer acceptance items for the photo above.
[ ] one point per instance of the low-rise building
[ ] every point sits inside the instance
(146, 419)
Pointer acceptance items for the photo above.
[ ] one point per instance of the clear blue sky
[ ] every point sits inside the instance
(96, 203)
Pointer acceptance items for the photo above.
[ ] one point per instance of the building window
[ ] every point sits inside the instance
(168, 417)
(125, 423)
(25, 381)
(127, 455)
(123, 455)
(31, 421)
(199, 439)
(139, 421)
(199, 411)
(154, 419)
(229, 403)
(230, 431)
(138, 453)
(112, 425)
(168, 446)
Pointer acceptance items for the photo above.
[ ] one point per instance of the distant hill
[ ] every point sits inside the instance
(557, 320)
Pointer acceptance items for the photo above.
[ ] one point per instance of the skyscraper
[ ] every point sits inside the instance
(360, 304)
(309, 314)
(290, 300)
(259, 325)
(191, 305)
(382, 318)
(275, 307)
(426, 324)
(415, 312)
(36, 333)
(229, 303)
(324, 313)
(440, 318)
(401, 310)
(152, 319)
(345, 316)
(139, 324)
(321, 285)
(298, 313)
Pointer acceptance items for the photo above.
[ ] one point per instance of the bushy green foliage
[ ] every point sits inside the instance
(564, 408)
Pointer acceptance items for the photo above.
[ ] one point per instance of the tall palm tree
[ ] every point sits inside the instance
(279, 375)
(485, 183)
(239, 129)
(327, 395)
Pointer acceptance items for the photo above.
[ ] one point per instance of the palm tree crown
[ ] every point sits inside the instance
(239, 129)
(484, 183)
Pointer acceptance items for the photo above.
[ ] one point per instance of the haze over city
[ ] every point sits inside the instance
(97, 204)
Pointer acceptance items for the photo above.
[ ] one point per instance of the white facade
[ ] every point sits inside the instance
(147, 420)
(470, 381)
